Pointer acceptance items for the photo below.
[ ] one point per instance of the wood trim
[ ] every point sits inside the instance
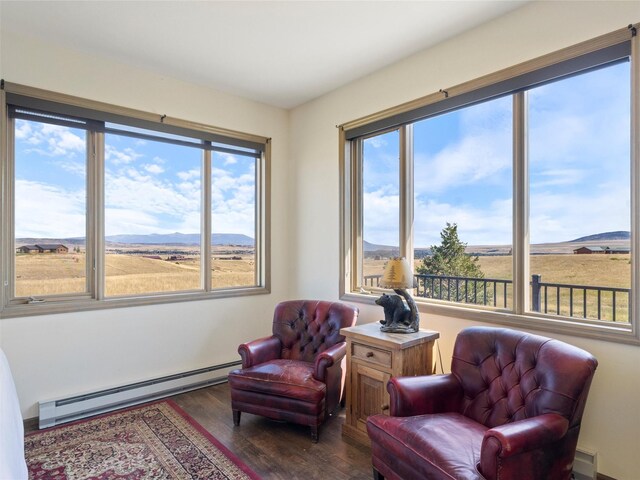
(588, 46)
(65, 99)
(201, 127)
(602, 476)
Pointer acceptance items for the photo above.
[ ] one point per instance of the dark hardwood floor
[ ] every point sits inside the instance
(276, 450)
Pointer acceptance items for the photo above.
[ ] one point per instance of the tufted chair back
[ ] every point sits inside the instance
(508, 375)
(307, 328)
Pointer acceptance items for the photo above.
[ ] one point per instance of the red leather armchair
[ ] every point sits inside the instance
(297, 374)
(510, 409)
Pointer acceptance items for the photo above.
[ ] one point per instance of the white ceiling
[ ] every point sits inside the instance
(282, 53)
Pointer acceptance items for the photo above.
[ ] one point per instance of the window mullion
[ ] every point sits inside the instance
(7, 156)
(635, 185)
(260, 225)
(406, 193)
(206, 228)
(95, 241)
(357, 199)
(520, 205)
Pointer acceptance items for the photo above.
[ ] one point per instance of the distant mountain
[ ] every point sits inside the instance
(152, 239)
(182, 239)
(372, 247)
(34, 241)
(598, 237)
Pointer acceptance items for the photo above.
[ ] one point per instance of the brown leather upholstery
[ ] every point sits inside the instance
(510, 409)
(296, 374)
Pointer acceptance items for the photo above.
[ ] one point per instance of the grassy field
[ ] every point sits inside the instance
(591, 270)
(128, 274)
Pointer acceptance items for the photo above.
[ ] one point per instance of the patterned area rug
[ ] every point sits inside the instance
(156, 441)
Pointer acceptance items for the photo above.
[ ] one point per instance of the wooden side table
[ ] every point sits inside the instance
(373, 357)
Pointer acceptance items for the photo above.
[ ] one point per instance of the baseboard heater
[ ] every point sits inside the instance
(63, 410)
(585, 464)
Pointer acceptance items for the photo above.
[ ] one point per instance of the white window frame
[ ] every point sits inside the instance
(27, 97)
(350, 153)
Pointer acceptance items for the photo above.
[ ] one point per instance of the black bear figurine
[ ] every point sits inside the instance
(397, 315)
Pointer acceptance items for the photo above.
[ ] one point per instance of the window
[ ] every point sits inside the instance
(462, 176)
(152, 216)
(109, 209)
(580, 195)
(50, 207)
(380, 203)
(233, 219)
(513, 199)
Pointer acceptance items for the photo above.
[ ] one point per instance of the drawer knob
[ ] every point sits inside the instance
(385, 407)
(370, 354)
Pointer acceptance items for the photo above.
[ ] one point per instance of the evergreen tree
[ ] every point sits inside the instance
(450, 260)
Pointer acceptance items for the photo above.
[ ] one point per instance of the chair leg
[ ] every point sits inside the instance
(314, 433)
(236, 417)
(377, 475)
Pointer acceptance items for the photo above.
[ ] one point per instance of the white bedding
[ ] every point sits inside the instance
(12, 463)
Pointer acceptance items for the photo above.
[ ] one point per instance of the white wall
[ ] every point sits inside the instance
(63, 354)
(612, 421)
(57, 355)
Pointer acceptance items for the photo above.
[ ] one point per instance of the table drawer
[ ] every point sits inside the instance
(371, 354)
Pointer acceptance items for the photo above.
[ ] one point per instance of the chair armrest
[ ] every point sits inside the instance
(328, 358)
(259, 351)
(424, 394)
(522, 437)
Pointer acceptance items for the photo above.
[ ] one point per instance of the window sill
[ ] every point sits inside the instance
(607, 331)
(70, 306)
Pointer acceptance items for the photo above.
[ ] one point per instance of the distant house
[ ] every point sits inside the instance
(601, 250)
(43, 248)
(588, 250)
(52, 248)
(28, 249)
(622, 250)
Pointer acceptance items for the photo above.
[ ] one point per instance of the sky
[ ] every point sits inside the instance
(150, 187)
(579, 164)
(579, 174)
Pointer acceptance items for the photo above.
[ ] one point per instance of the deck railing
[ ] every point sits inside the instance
(584, 301)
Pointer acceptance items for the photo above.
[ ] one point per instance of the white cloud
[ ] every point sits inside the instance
(565, 216)
(49, 211)
(229, 159)
(381, 217)
(153, 168)
(189, 174)
(481, 155)
(62, 141)
(233, 202)
(119, 157)
(51, 140)
(120, 220)
(23, 130)
(476, 226)
(475, 159)
(148, 194)
(558, 177)
(378, 142)
(76, 168)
